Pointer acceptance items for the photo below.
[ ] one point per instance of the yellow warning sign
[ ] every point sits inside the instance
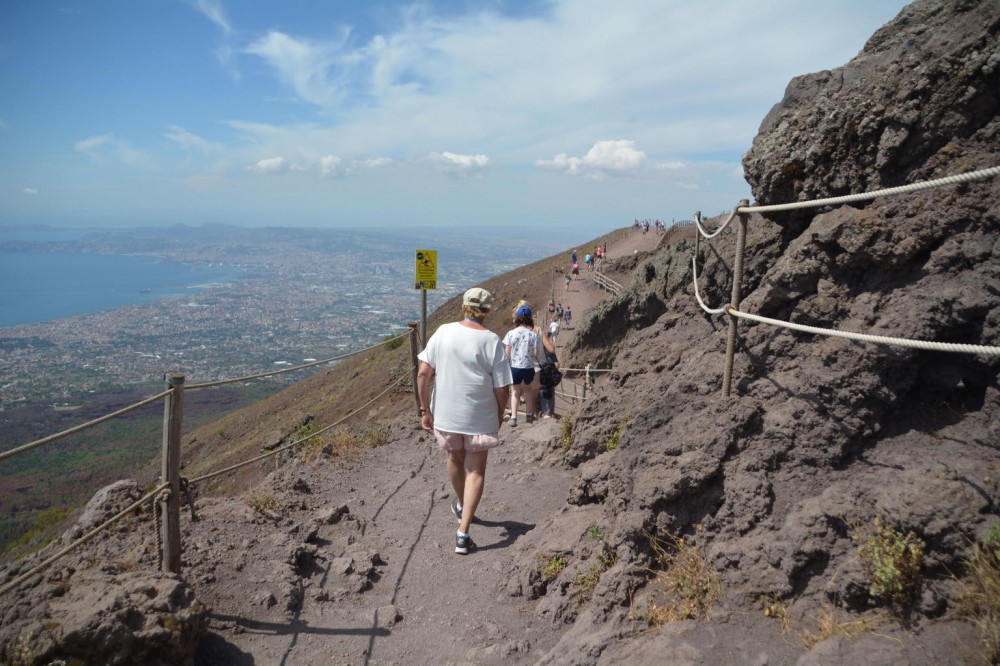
(426, 271)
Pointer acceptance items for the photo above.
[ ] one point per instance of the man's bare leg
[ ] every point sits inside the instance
(474, 479)
(456, 472)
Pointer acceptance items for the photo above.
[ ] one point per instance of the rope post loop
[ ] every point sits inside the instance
(413, 359)
(737, 296)
(170, 501)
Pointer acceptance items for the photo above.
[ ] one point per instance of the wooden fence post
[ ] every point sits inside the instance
(741, 243)
(170, 502)
(413, 360)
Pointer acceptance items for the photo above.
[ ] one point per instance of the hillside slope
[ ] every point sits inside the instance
(823, 439)
(661, 522)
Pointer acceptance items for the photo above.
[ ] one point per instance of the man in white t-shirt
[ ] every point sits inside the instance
(553, 329)
(471, 385)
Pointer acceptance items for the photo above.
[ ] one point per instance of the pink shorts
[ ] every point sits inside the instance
(456, 441)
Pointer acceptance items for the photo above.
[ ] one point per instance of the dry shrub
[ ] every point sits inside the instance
(263, 502)
(828, 625)
(775, 608)
(684, 586)
(338, 442)
(979, 596)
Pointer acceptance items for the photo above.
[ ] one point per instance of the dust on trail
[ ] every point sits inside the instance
(384, 585)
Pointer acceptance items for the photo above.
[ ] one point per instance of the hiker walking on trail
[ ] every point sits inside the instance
(524, 349)
(549, 378)
(472, 383)
(568, 315)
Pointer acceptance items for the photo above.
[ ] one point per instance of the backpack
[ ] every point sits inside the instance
(549, 375)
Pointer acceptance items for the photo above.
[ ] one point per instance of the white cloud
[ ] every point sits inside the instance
(105, 147)
(328, 165)
(460, 165)
(189, 141)
(372, 163)
(268, 165)
(619, 157)
(30, 191)
(93, 143)
(216, 14)
(305, 65)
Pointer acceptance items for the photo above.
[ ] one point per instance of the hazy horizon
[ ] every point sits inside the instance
(576, 117)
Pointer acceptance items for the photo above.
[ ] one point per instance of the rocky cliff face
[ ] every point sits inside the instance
(821, 435)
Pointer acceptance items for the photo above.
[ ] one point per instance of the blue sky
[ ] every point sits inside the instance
(570, 117)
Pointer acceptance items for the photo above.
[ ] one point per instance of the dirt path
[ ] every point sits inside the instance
(583, 294)
(354, 564)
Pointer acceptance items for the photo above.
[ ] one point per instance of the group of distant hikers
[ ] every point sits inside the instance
(661, 227)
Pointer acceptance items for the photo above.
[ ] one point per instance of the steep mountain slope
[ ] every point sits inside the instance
(821, 436)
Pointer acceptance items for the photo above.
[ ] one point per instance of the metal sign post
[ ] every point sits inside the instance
(424, 278)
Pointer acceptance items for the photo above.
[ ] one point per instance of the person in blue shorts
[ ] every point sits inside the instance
(524, 349)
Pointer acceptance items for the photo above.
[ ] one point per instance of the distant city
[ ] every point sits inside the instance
(304, 294)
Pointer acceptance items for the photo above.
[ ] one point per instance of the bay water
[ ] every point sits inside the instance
(43, 286)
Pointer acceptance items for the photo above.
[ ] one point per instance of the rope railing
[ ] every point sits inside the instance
(981, 174)
(743, 211)
(173, 485)
(80, 541)
(866, 337)
(274, 452)
(84, 426)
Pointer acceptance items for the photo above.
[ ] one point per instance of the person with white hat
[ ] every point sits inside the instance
(472, 381)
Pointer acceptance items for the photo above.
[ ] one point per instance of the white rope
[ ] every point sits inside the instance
(864, 337)
(275, 452)
(705, 233)
(982, 174)
(83, 426)
(694, 269)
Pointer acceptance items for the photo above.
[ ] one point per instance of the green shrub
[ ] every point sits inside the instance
(393, 342)
(551, 566)
(42, 528)
(566, 432)
(610, 443)
(892, 562)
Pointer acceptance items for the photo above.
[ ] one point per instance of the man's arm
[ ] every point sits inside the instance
(502, 395)
(424, 375)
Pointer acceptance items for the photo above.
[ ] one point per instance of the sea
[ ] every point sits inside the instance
(39, 287)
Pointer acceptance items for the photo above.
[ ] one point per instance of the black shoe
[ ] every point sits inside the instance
(464, 544)
(455, 509)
